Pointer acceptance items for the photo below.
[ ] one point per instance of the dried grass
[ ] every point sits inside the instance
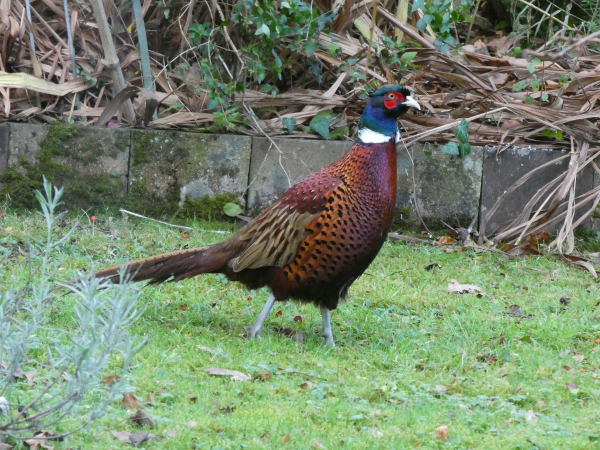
(475, 84)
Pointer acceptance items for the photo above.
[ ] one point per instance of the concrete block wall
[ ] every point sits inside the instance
(148, 170)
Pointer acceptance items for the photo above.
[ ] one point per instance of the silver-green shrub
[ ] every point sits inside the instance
(67, 393)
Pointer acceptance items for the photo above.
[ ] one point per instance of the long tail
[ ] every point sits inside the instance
(177, 265)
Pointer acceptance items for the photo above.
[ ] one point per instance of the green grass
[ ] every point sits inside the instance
(409, 357)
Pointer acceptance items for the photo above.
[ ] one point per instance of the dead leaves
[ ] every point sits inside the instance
(134, 439)
(141, 418)
(234, 374)
(130, 402)
(455, 286)
(441, 433)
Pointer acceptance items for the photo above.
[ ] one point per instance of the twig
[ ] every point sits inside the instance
(550, 16)
(154, 220)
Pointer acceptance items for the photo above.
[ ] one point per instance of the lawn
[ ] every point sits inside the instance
(515, 368)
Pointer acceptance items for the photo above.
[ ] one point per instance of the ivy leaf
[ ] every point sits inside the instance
(519, 86)
(263, 29)
(528, 100)
(333, 49)
(536, 61)
(530, 68)
(408, 56)
(341, 133)
(450, 148)
(213, 103)
(535, 85)
(544, 97)
(231, 209)
(464, 149)
(462, 131)
(289, 123)
(310, 47)
(320, 124)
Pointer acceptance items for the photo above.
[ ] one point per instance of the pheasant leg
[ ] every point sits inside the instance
(327, 334)
(253, 331)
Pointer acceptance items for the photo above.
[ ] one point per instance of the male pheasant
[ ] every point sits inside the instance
(320, 236)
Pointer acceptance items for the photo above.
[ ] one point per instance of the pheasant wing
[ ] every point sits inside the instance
(275, 236)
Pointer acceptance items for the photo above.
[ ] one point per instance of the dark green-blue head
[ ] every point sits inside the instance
(384, 107)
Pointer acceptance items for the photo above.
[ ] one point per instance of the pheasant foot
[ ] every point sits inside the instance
(253, 331)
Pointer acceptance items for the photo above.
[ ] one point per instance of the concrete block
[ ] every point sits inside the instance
(205, 165)
(446, 187)
(274, 170)
(90, 163)
(499, 173)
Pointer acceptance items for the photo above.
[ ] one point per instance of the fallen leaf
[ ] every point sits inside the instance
(142, 436)
(30, 376)
(109, 381)
(278, 313)
(530, 416)
(565, 300)
(4, 407)
(193, 399)
(578, 358)
(444, 240)
(141, 418)
(455, 286)
(441, 432)
(5, 446)
(572, 387)
(263, 375)
(130, 402)
(298, 319)
(150, 399)
(122, 436)
(538, 239)
(286, 438)
(441, 389)
(234, 374)
(306, 385)
(318, 445)
(192, 424)
(171, 433)
(40, 441)
(297, 336)
(565, 352)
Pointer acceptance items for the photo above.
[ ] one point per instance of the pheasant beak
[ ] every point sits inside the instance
(411, 102)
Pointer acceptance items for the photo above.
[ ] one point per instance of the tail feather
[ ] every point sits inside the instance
(177, 265)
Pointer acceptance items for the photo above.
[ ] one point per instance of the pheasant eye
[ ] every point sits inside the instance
(391, 96)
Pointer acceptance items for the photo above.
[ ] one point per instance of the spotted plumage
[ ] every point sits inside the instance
(318, 237)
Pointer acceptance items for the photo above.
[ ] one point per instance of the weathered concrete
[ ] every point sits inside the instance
(446, 187)
(274, 170)
(165, 162)
(3, 149)
(90, 163)
(499, 173)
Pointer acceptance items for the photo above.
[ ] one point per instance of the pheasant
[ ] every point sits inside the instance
(320, 236)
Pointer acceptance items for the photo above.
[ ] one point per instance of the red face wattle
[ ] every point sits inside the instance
(391, 99)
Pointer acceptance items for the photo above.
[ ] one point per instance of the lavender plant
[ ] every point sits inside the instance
(69, 364)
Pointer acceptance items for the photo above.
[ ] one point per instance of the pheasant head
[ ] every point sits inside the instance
(379, 120)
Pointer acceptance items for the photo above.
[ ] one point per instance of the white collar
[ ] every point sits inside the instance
(369, 136)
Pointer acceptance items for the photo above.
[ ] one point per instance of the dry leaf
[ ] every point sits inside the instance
(263, 375)
(192, 424)
(5, 446)
(455, 286)
(441, 432)
(441, 389)
(444, 240)
(234, 374)
(141, 418)
(572, 387)
(122, 436)
(171, 433)
(306, 385)
(286, 438)
(4, 407)
(130, 402)
(109, 381)
(40, 441)
(530, 416)
(30, 376)
(150, 399)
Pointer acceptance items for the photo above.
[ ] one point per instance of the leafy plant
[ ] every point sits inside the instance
(463, 148)
(441, 15)
(62, 368)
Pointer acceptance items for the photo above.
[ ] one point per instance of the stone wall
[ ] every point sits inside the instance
(149, 170)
